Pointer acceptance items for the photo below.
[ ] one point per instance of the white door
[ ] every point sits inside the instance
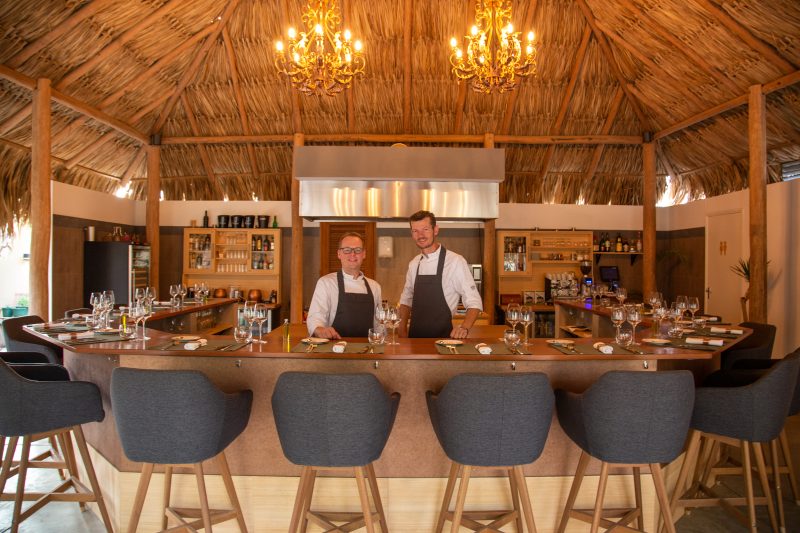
(723, 250)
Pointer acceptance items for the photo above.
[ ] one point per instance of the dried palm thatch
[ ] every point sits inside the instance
(193, 71)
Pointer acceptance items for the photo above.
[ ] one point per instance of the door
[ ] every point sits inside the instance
(332, 232)
(723, 250)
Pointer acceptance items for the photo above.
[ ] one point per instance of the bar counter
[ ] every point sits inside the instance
(411, 368)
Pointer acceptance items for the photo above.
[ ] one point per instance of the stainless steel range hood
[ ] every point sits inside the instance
(338, 182)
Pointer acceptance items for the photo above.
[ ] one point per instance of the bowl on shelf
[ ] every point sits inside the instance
(249, 221)
(254, 295)
(223, 221)
(263, 221)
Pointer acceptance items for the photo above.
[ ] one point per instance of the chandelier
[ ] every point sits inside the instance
(494, 57)
(322, 59)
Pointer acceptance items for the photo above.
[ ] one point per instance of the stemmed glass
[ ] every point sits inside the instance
(174, 290)
(392, 321)
(621, 294)
(682, 303)
(659, 314)
(96, 301)
(204, 291)
(526, 315)
(380, 312)
(181, 293)
(250, 313)
(618, 317)
(108, 306)
(634, 314)
(138, 295)
(511, 339)
(261, 313)
(513, 314)
(654, 299)
(693, 305)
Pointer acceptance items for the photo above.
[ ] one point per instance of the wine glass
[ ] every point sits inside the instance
(380, 312)
(261, 313)
(659, 314)
(693, 305)
(181, 293)
(682, 303)
(618, 317)
(511, 340)
(392, 321)
(126, 330)
(634, 314)
(95, 300)
(654, 299)
(621, 294)
(376, 336)
(138, 295)
(204, 291)
(147, 312)
(108, 306)
(513, 314)
(173, 292)
(526, 317)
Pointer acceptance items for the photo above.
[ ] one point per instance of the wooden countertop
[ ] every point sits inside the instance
(192, 307)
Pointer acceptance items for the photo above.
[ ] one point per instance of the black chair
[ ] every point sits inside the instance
(757, 346)
(626, 419)
(749, 415)
(19, 340)
(47, 404)
(329, 421)
(491, 420)
(178, 417)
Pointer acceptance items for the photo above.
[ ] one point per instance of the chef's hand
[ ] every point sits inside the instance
(326, 333)
(459, 332)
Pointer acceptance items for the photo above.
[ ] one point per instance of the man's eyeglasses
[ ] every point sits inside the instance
(348, 251)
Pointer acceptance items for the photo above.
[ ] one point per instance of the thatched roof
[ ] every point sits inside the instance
(205, 68)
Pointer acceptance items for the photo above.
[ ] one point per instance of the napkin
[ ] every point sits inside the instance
(483, 348)
(700, 340)
(339, 347)
(710, 318)
(603, 348)
(194, 345)
(75, 336)
(727, 330)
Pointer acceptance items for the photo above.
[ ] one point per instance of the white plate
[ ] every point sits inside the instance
(450, 342)
(657, 341)
(186, 338)
(314, 340)
(561, 342)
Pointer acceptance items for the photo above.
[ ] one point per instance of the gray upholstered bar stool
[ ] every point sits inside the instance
(19, 340)
(47, 404)
(330, 422)
(173, 418)
(630, 419)
(495, 421)
(746, 416)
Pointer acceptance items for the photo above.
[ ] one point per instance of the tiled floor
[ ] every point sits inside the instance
(67, 517)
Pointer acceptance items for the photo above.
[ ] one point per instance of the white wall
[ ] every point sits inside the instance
(180, 213)
(72, 201)
(556, 216)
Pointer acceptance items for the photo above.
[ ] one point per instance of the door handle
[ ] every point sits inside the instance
(708, 293)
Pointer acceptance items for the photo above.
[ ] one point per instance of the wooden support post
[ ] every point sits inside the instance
(40, 214)
(296, 261)
(649, 216)
(757, 182)
(489, 255)
(152, 210)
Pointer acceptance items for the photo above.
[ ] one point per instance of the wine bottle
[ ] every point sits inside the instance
(205, 220)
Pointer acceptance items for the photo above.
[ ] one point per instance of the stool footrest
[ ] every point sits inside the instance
(182, 513)
(469, 519)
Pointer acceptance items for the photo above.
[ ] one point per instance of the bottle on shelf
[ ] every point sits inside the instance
(639, 242)
(205, 220)
(595, 246)
(259, 244)
(275, 221)
(618, 247)
(608, 242)
(626, 247)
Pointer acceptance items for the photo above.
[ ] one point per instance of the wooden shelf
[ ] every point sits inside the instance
(560, 261)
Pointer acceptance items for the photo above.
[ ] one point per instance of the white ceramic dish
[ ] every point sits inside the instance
(561, 342)
(314, 340)
(185, 338)
(450, 342)
(659, 342)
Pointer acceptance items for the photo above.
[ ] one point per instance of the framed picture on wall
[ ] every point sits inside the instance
(528, 297)
(538, 297)
(513, 298)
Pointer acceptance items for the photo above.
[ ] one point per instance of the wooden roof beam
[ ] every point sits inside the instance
(237, 91)
(134, 164)
(206, 160)
(408, 22)
(409, 138)
(766, 50)
(61, 160)
(609, 122)
(511, 99)
(190, 72)
(662, 155)
(609, 55)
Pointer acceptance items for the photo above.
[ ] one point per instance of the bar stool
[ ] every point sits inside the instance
(49, 406)
(495, 421)
(630, 419)
(19, 340)
(328, 422)
(173, 418)
(757, 346)
(744, 416)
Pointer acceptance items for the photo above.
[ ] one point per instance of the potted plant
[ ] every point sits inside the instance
(8, 311)
(22, 306)
(742, 269)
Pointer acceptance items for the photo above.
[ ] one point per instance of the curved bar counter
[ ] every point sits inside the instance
(413, 465)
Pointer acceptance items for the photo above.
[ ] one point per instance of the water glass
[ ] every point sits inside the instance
(512, 339)
(376, 335)
(242, 333)
(623, 338)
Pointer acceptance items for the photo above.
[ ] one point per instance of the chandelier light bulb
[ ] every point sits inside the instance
(292, 33)
(453, 42)
(348, 58)
(510, 28)
(530, 36)
(474, 30)
(358, 46)
(318, 29)
(279, 46)
(296, 57)
(459, 53)
(347, 35)
(529, 50)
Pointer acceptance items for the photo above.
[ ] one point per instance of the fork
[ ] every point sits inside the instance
(310, 348)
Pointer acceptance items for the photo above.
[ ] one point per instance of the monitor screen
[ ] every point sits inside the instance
(609, 274)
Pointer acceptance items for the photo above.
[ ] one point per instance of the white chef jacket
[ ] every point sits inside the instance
(457, 281)
(325, 301)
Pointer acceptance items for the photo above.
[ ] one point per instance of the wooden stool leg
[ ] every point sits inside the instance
(773, 445)
(364, 497)
(637, 491)
(23, 470)
(141, 492)
(65, 439)
(309, 493)
(87, 464)
(525, 498)
(601, 492)
(376, 497)
(8, 458)
(448, 496)
(54, 451)
(299, 499)
(787, 457)
(748, 482)
(201, 491)
(583, 462)
(222, 462)
(512, 481)
(466, 470)
(167, 496)
(688, 463)
(663, 501)
(758, 451)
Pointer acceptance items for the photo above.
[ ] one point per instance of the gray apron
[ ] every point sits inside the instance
(430, 314)
(354, 312)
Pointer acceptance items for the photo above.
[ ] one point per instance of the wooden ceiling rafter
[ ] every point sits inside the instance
(408, 30)
(665, 159)
(135, 163)
(766, 50)
(126, 87)
(569, 90)
(644, 122)
(616, 103)
(407, 138)
(237, 91)
(511, 99)
(60, 160)
(204, 157)
(219, 175)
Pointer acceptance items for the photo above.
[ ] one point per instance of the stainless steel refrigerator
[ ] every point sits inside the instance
(119, 266)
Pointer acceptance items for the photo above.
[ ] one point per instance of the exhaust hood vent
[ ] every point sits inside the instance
(339, 182)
